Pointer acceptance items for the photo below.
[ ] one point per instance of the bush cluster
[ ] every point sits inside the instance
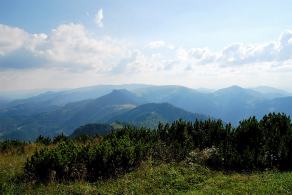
(47, 140)
(43, 140)
(253, 145)
(69, 160)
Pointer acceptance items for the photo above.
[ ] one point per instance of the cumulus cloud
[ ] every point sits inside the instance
(99, 18)
(240, 54)
(17, 48)
(285, 46)
(234, 55)
(11, 38)
(69, 46)
(71, 43)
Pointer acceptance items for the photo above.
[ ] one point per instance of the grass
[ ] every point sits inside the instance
(170, 178)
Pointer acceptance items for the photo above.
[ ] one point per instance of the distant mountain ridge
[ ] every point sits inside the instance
(72, 115)
(271, 92)
(53, 112)
(115, 106)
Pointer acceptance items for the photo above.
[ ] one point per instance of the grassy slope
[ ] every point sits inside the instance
(177, 178)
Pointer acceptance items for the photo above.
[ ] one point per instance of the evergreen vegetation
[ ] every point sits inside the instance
(253, 145)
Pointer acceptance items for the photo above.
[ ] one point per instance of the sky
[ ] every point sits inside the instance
(209, 44)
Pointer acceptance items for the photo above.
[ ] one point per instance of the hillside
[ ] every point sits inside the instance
(271, 92)
(182, 97)
(3, 102)
(149, 115)
(119, 105)
(231, 104)
(92, 130)
(69, 117)
(101, 109)
(281, 104)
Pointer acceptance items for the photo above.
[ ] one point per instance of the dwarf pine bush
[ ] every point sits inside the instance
(253, 145)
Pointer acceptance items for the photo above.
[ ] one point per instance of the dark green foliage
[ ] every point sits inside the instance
(83, 139)
(60, 163)
(60, 138)
(277, 135)
(249, 142)
(264, 144)
(43, 140)
(182, 137)
(253, 145)
(117, 153)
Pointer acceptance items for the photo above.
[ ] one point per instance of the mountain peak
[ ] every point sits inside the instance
(235, 87)
(121, 91)
(121, 96)
(231, 89)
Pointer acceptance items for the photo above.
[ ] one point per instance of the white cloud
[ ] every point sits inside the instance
(11, 38)
(240, 54)
(182, 54)
(72, 44)
(203, 55)
(99, 18)
(237, 54)
(71, 48)
(158, 45)
(18, 49)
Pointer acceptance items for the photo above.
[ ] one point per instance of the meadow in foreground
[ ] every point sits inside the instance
(149, 178)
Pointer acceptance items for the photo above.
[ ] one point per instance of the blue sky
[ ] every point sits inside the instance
(192, 22)
(196, 43)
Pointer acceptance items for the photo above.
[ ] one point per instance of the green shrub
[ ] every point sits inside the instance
(253, 145)
(43, 140)
(257, 145)
(116, 154)
(60, 138)
(60, 163)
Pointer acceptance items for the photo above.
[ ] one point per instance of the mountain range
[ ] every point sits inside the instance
(118, 106)
(50, 113)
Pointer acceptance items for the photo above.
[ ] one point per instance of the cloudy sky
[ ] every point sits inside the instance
(210, 44)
